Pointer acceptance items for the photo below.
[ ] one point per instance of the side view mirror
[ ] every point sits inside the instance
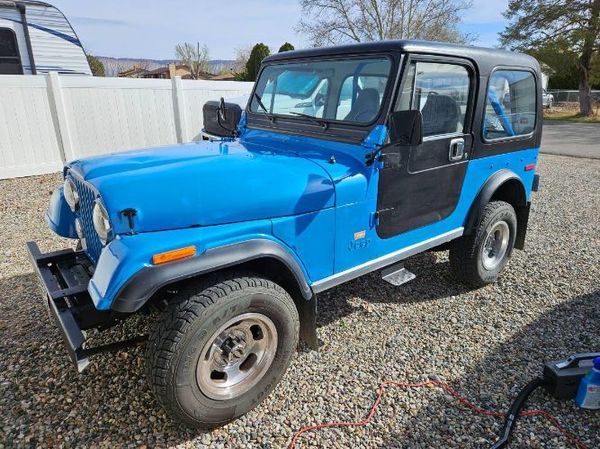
(406, 128)
(221, 118)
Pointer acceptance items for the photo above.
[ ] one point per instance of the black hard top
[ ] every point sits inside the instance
(485, 58)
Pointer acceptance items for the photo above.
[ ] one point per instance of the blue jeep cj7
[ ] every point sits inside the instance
(346, 160)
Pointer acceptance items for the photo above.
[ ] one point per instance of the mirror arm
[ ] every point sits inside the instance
(376, 154)
(371, 157)
(221, 115)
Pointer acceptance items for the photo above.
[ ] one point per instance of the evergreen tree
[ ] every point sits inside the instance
(286, 47)
(259, 52)
(96, 66)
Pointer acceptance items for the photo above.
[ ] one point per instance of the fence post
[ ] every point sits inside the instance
(181, 126)
(59, 117)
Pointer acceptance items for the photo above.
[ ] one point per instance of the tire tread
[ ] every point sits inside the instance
(464, 251)
(178, 317)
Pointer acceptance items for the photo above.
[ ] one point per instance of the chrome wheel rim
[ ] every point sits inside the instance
(237, 356)
(495, 246)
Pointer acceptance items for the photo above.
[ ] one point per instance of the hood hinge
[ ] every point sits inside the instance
(129, 213)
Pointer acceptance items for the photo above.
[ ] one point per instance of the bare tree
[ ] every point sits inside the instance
(241, 58)
(328, 22)
(195, 57)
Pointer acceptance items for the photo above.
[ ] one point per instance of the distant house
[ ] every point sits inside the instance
(134, 72)
(224, 76)
(167, 72)
(171, 71)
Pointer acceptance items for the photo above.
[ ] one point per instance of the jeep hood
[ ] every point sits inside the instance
(203, 184)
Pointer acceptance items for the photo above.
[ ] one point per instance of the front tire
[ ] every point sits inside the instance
(220, 348)
(478, 259)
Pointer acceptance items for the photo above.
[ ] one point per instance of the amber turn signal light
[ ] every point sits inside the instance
(173, 255)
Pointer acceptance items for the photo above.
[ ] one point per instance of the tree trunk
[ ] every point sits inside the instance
(585, 60)
(585, 94)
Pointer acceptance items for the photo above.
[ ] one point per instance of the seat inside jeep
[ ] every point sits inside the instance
(441, 115)
(365, 107)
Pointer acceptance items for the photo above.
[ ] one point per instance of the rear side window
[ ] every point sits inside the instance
(10, 62)
(510, 109)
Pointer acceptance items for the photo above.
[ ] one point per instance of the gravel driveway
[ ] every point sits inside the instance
(487, 343)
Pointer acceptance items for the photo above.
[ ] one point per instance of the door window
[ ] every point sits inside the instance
(510, 108)
(441, 92)
(10, 62)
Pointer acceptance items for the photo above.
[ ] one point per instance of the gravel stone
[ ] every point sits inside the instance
(486, 343)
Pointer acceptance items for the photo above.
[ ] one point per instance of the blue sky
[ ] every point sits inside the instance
(151, 29)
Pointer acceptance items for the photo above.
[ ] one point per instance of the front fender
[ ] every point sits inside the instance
(147, 281)
(125, 277)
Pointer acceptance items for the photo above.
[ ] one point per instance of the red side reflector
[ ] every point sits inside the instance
(530, 167)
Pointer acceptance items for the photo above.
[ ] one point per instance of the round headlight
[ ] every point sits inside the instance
(71, 195)
(101, 222)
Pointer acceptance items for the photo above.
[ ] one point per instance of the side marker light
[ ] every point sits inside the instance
(176, 254)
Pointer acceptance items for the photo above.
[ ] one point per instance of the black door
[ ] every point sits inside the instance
(421, 185)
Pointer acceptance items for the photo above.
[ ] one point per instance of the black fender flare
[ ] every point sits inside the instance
(146, 282)
(484, 196)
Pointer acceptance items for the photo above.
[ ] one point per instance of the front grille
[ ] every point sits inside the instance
(87, 197)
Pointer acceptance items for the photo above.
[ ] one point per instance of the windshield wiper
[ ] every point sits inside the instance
(322, 123)
(263, 107)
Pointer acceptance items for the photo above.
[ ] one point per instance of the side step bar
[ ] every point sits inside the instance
(397, 274)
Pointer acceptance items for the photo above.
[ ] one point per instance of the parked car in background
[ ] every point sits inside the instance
(346, 161)
(35, 38)
(547, 99)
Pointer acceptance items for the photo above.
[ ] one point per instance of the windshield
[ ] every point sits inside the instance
(350, 90)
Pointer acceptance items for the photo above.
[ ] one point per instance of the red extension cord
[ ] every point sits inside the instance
(430, 383)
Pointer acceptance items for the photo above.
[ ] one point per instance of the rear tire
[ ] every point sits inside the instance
(478, 259)
(220, 348)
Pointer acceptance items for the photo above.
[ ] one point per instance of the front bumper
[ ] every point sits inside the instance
(64, 276)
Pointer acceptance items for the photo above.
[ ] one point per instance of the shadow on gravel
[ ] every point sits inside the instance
(434, 281)
(495, 380)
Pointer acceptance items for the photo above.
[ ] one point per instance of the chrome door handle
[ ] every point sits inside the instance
(457, 149)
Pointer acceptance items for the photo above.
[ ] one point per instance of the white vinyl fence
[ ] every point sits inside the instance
(47, 120)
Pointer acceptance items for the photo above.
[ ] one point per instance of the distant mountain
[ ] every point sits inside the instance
(112, 66)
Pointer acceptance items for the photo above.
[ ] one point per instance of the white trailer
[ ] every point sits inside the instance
(36, 38)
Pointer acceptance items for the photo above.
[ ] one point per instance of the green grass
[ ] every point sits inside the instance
(570, 116)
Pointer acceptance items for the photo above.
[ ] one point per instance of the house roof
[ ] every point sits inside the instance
(132, 71)
(223, 77)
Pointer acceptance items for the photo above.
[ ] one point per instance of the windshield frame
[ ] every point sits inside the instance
(301, 125)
